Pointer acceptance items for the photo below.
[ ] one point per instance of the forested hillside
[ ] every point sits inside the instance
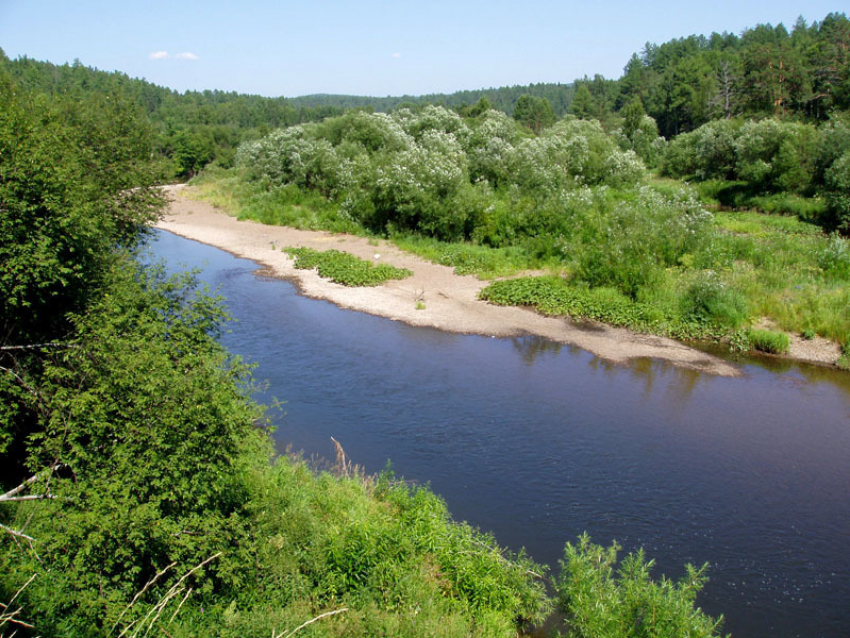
(190, 129)
(503, 99)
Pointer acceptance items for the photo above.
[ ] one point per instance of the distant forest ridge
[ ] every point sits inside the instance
(503, 98)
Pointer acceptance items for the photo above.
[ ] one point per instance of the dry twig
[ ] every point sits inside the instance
(310, 622)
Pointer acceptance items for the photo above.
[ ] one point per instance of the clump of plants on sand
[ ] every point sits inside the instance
(345, 268)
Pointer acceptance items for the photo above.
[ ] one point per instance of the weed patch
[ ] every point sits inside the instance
(768, 341)
(344, 268)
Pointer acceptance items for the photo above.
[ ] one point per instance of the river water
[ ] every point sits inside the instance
(538, 442)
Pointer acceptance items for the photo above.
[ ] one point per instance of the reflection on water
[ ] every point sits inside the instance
(530, 347)
(539, 442)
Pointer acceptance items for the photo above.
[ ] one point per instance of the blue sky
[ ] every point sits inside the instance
(369, 47)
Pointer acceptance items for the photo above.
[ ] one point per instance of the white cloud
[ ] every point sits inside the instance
(395, 55)
(186, 56)
(159, 55)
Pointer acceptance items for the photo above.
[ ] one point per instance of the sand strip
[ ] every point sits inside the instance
(450, 301)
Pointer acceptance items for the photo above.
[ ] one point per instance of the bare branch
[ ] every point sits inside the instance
(310, 622)
(177, 611)
(9, 617)
(139, 594)
(16, 533)
(156, 611)
(9, 496)
(39, 346)
(30, 497)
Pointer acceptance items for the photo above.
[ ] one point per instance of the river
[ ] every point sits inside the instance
(538, 442)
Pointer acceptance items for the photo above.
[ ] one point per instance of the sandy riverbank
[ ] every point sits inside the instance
(450, 301)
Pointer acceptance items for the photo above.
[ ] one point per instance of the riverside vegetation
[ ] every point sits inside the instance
(623, 245)
(141, 495)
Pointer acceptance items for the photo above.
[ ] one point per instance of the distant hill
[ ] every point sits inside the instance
(502, 98)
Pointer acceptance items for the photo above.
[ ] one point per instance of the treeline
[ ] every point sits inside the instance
(191, 129)
(766, 71)
(503, 99)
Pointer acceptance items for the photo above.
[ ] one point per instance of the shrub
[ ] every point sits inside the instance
(709, 299)
(629, 243)
(837, 179)
(708, 152)
(834, 258)
(768, 341)
(774, 154)
(601, 599)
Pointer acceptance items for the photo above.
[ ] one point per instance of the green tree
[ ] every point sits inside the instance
(534, 112)
(633, 114)
(584, 106)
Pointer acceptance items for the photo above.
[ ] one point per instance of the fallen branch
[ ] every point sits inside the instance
(156, 611)
(139, 594)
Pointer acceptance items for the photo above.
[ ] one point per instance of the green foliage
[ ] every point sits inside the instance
(161, 468)
(834, 258)
(534, 112)
(760, 225)
(602, 599)
(628, 244)
(710, 300)
(837, 184)
(146, 417)
(555, 296)
(65, 174)
(430, 172)
(345, 268)
(768, 341)
(584, 106)
(470, 259)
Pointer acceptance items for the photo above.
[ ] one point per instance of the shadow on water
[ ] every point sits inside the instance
(539, 442)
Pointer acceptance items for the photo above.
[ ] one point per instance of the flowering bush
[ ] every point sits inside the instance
(431, 172)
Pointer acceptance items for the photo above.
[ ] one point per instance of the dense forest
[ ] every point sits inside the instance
(503, 99)
(140, 489)
(190, 129)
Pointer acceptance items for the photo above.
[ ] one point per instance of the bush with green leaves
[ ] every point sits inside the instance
(143, 419)
(837, 187)
(641, 136)
(711, 300)
(601, 598)
(833, 142)
(628, 244)
(774, 155)
(149, 451)
(429, 171)
(705, 153)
